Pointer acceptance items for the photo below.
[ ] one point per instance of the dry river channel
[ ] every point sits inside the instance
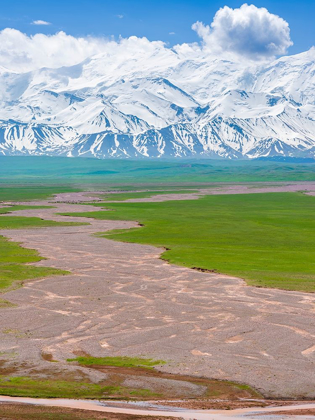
(121, 299)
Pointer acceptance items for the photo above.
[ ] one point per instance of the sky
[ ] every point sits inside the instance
(36, 34)
(166, 20)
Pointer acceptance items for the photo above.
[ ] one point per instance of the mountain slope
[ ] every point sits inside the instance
(165, 106)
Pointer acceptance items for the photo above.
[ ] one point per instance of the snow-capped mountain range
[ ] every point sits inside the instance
(164, 105)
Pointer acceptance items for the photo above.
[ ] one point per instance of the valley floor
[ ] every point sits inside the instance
(121, 299)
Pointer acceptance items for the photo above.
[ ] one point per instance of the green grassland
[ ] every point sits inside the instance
(267, 239)
(52, 173)
(29, 192)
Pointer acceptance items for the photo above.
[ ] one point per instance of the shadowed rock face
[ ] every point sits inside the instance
(121, 299)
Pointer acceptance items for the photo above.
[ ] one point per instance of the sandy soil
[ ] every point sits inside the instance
(121, 299)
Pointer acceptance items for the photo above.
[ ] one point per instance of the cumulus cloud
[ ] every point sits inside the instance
(22, 52)
(40, 22)
(249, 31)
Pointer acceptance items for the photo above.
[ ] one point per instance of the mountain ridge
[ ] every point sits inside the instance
(170, 106)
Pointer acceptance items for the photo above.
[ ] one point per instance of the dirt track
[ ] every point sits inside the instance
(121, 299)
(133, 411)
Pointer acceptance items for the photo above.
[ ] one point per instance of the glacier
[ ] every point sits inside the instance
(163, 106)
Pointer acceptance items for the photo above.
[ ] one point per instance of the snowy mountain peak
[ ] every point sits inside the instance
(170, 105)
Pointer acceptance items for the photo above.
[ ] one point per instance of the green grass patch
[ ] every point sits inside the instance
(130, 362)
(14, 258)
(21, 222)
(10, 209)
(13, 268)
(135, 195)
(267, 239)
(37, 388)
(16, 274)
(28, 192)
(6, 304)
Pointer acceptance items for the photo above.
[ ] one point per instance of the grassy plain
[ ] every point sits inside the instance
(23, 192)
(48, 174)
(267, 239)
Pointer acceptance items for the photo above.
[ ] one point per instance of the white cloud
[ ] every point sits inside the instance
(120, 16)
(23, 52)
(20, 52)
(249, 30)
(171, 33)
(40, 22)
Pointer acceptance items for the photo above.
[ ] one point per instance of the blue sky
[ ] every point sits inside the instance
(169, 21)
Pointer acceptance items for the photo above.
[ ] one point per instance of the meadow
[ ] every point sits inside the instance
(21, 192)
(266, 239)
(55, 174)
